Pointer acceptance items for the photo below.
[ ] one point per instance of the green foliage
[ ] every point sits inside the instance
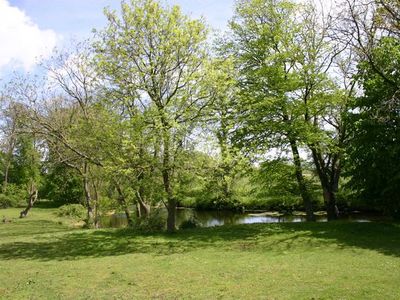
(268, 108)
(107, 204)
(161, 53)
(26, 162)
(190, 223)
(76, 211)
(153, 223)
(135, 103)
(6, 201)
(14, 196)
(274, 187)
(374, 150)
(62, 185)
(9, 200)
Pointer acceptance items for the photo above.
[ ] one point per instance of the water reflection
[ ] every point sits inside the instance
(219, 218)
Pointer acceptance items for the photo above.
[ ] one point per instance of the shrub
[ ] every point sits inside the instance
(76, 211)
(154, 222)
(6, 201)
(190, 223)
(14, 196)
(106, 204)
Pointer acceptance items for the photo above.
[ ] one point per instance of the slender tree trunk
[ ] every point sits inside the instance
(171, 202)
(96, 205)
(124, 204)
(305, 195)
(33, 196)
(143, 209)
(166, 173)
(222, 137)
(88, 198)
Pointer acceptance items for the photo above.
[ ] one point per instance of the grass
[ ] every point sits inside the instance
(43, 257)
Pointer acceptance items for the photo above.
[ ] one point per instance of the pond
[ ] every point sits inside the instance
(218, 218)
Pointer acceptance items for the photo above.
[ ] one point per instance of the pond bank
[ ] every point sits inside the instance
(223, 217)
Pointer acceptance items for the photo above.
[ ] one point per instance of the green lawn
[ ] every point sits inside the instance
(42, 257)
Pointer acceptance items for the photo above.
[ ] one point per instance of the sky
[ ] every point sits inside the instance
(30, 29)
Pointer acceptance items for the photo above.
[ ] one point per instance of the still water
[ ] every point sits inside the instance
(218, 218)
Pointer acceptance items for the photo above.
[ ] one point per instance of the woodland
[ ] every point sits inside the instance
(295, 107)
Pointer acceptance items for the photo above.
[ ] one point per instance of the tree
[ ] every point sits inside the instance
(325, 99)
(289, 96)
(61, 183)
(156, 56)
(373, 152)
(21, 160)
(265, 43)
(372, 30)
(27, 169)
(10, 115)
(274, 183)
(362, 25)
(73, 141)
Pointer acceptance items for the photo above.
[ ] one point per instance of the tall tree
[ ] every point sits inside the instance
(265, 43)
(286, 60)
(373, 164)
(73, 75)
(157, 55)
(325, 99)
(372, 29)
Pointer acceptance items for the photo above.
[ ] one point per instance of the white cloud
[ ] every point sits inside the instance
(22, 42)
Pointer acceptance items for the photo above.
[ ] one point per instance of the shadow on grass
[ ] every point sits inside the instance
(275, 238)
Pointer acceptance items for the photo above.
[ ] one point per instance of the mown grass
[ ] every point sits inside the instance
(43, 257)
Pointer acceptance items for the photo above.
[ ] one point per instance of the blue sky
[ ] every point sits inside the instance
(31, 28)
(78, 17)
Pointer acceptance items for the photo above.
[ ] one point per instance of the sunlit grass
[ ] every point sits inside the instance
(43, 257)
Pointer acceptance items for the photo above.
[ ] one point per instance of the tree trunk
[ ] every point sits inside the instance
(33, 196)
(330, 202)
(166, 173)
(143, 209)
(88, 198)
(96, 205)
(305, 195)
(124, 204)
(222, 136)
(329, 179)
(171, 219)
(171, 203)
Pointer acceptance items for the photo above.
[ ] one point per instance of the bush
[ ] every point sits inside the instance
(154, 222)
(106, 204)
(76, 211)
(190, 223)
(15, 196)
(6, 201)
